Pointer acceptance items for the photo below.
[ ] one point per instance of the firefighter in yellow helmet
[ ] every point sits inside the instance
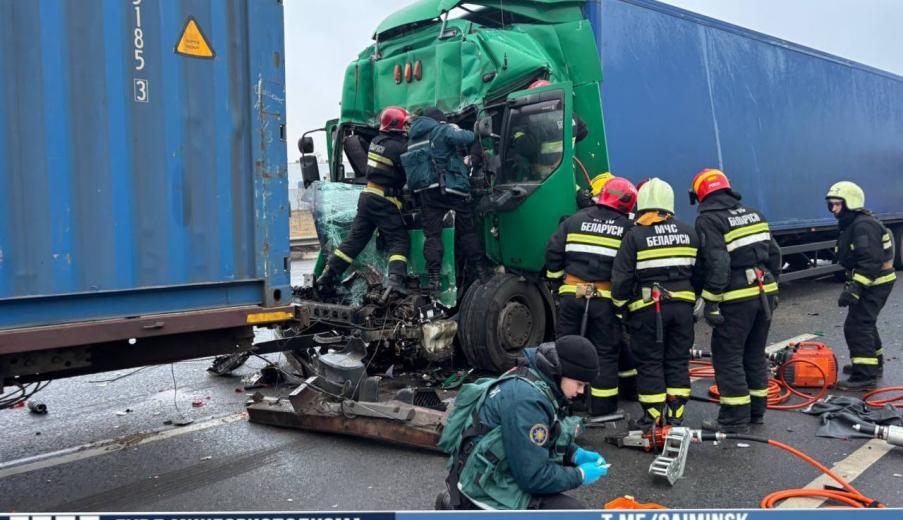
(865, 248)
(586, 198)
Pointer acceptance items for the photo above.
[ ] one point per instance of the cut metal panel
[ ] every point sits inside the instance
(683, 92)
(125, 166)
(271, 206)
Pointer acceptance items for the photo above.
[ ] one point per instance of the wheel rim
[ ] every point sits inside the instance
(515, 325)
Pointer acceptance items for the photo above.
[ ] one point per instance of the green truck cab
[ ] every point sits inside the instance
(475, 60)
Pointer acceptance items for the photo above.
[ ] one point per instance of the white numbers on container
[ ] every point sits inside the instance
(142, 90)
(138, 37)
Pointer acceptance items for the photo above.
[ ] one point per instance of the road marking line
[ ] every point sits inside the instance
(849, 468)
(86, 451)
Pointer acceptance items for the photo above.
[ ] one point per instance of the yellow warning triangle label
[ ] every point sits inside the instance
(193, 42)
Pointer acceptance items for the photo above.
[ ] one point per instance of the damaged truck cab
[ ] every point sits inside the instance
(475, 60)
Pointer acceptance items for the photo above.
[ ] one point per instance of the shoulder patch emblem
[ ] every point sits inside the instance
(539, 434)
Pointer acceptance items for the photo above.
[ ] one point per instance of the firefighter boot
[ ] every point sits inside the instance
(443, 501)
(396, 282)
(652, 416)
(857, 385)
(847, 369)
(598, 406)
(627, 385)
(397, 279)
(715, 426)
(674, 407)
(758, 404)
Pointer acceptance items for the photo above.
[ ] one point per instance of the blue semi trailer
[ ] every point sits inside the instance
(143, 190)
(682, 91)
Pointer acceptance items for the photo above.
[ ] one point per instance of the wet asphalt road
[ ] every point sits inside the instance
(222, 462)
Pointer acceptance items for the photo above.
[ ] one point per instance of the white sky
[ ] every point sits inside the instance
(323, 36)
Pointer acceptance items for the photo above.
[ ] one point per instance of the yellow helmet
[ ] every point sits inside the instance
(599, 181)
(849, 193)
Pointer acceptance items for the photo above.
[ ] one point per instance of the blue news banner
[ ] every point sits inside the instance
(720, 514)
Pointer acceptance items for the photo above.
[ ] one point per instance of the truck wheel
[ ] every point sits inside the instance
(498, 319)
(898, 242)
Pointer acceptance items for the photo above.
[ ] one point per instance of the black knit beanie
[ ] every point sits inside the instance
(433, 113)
(577, 357)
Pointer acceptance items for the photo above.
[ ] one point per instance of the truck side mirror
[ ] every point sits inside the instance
(483, 127)
(306, 145)
(310, 171)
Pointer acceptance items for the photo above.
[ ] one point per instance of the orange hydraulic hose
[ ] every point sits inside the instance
(779, 391)
(702, 369)
(851, 497)
(589, 181)
(808, 399)
(878, 403)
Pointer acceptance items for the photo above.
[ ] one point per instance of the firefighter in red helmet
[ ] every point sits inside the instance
(580, 254)
(378, 207)
(740, 265)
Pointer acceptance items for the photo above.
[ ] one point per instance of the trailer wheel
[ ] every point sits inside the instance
(498, 319)
(898, 242)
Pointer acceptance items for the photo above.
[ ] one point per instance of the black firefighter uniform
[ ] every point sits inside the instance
(378, 207)
(741, 264)
(652, 276)
(580, 254)
(865, 248)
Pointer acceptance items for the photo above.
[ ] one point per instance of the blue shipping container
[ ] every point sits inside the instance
(135, 179)
(682, 92)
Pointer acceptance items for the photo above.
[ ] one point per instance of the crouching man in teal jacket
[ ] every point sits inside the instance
(510, 439)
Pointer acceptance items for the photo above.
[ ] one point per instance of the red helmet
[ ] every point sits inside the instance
(539, 84)
(708, 181)
(392, 119)
(618, 194)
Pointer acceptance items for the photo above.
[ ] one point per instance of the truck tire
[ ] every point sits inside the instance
(498, 319)
(898, 244)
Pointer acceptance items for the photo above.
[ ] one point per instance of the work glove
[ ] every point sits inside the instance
(698, 309)
(850, 294)
(774, 302)
(585, 199)
(591, 472)
(712, 314)
(554, 283)
(582, 456)
(621, 312)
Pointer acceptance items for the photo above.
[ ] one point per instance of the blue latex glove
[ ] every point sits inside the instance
(592, 472)
(582, 456)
